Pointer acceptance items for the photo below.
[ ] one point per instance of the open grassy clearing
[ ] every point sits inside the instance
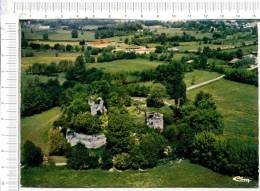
(199, 76)
(193, 46)
(118, 66)
(238, 104)
(217, 61)
(36, 128)
(179, 31)
(47, 57)
(196, 76)
(245, 49)
(60, 76)
(172, 174)
(57, 34)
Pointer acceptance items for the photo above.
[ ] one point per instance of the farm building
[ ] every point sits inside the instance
(233, 61)
(140, 49)
(174, 49)
(190, 61)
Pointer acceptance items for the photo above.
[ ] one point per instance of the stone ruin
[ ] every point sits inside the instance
(97, 106)
(154, 120)
(89, 141)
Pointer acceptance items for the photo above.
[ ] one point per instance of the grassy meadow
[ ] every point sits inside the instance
(36, 128)
(118, 66)
(172, 174)
(238, 104)
(46, 57)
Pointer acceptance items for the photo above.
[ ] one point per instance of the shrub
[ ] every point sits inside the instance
(122, 161)
(80, 158)
(57, 142)
(32, 155)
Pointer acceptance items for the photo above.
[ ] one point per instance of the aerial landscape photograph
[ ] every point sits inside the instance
(139, 104)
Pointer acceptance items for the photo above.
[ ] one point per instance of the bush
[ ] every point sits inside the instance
(107, 158)
(147, 153)
(86, 123)
(80, 158)
(58, 143)
(122, 161)
(74, 33)
(155, 98)
(32, 155)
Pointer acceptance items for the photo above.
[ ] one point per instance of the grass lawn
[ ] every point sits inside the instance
(47, 57)
(217, 61)
(199, 76)
(245, 49)
(36, 128)
(118, 66)
(238, 104)
(57, 34)
(172, 174)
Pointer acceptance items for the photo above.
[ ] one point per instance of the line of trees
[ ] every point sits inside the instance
(223, 55)
(238, 74)
(120, 29)
(49, 69)
(162, 38)
(39, 96)
(228, 156)
(57, 46)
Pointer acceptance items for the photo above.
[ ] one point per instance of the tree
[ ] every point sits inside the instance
(171, 76)
(126, 40)
(204, 101)
(155, 98)
(147, 153)
(32, 155)
(203, 61)
(159, 49)
(57, 142)
(152, 56)
(74, 33)
(39, 96)
(118, 131)
(82, 42)
(45, 36)
(239, 53)
(78, 71)
(81, 158)
(86, 123)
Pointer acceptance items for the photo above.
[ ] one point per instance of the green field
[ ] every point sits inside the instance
(36, 128)
(47, 57)
(245, 49)
(199, 76)
(57, 34)
(238, 104)
(172, 174)
(118, 66)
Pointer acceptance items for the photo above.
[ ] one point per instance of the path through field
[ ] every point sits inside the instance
(213, 80)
